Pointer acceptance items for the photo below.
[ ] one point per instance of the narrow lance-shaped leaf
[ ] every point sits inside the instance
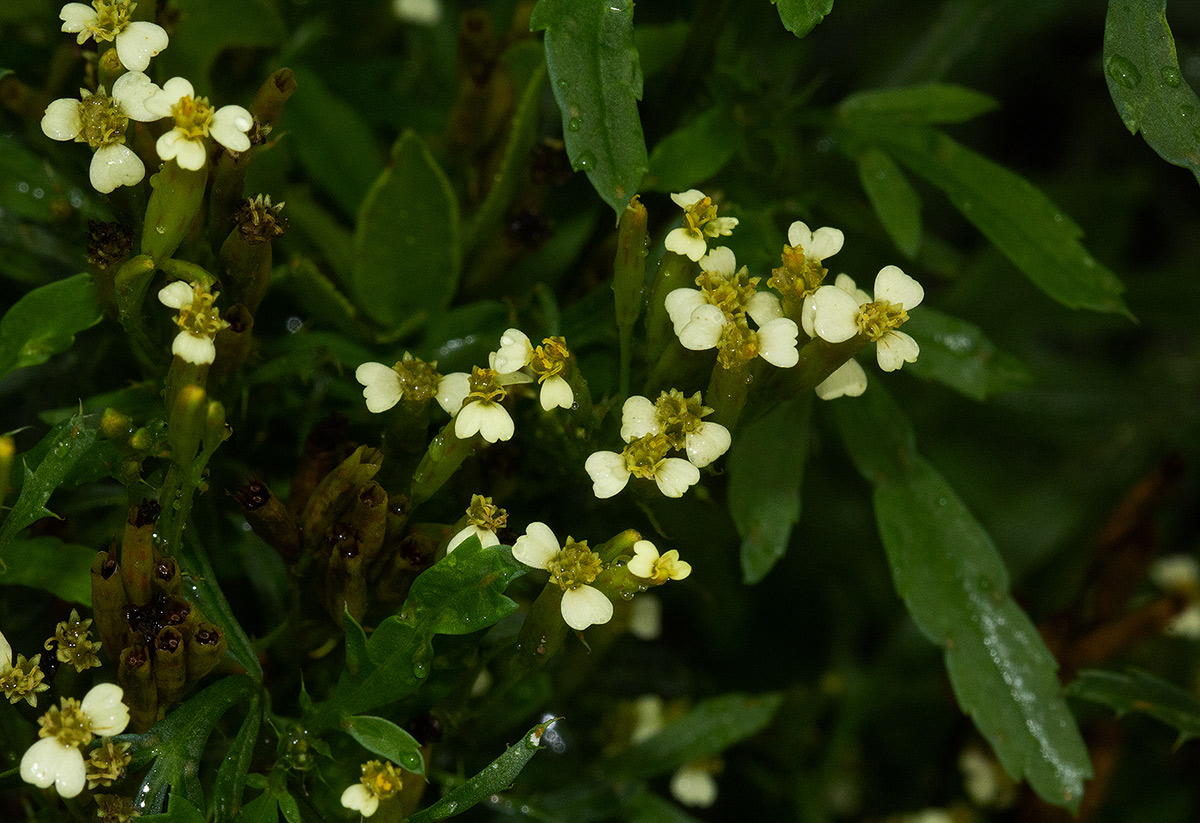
(1145, 82)
(955, 586)
(1137, 691)
(386, 739)
(597, 81)
(496, 777)
(45, 321)
(202, 589)
(957, 354)
(926, 103)
(234, 768)
(894, 199)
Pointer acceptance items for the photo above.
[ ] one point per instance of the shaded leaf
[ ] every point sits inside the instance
(694, 152)
(708, 729)
(179, 810)
(464, 591)
(496, 777)
(927, 103)
(262, 809)
(208, 27)
(44, 322)
(645, 807)
(597, 81)
(957, 353)
(955, 586)
(659, 45)
(894, 199)
(31, 188)
(200, 585)
(765, 473)
(1135, 690)
(1145, 82)
(47, 563)
(235, 767)
(386, 739)
(802, 16)
(316, 294)
(407, 251)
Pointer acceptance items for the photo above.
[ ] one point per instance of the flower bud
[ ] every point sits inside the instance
(270, 520)
(170, 665)
(173, 208)
(135, 673)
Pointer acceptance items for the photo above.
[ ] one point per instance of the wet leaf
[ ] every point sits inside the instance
(208, 27)
(894, 199)
(235, 767)
(957, 353)
(928, 103)
(45, 321)
(386, 739)
(47, 563)
(694, 152)
(802, 16)
(464, 591)
(1135, 690)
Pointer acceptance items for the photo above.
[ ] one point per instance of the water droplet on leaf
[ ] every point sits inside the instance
(1123, 71)
(573, 124)
(585, 161)
(1171, 76)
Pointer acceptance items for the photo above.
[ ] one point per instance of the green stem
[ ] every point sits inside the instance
(442, 459)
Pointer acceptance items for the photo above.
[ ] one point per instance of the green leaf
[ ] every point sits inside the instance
(894, 199)
(597, 81)
(179, 810)
(765, 473)
(708, 729)
(1146, 84)
(1010, 211)
(407, 251)
(802, 16)
(31, 188)
(694, 152)
(645, 807)
(496, 777)
(208, 27)
(386, 739)
(659, 45)
(1135, 690)
(928, 103)
(45, 321)
(464, 591)
(202, 589)
(47, 563)
(955, 586)
(234, 768)
(334, 143)
(262, 809)
(957, 353)
(177, 742)
(313, 225)
(316, 294)
(396, 663)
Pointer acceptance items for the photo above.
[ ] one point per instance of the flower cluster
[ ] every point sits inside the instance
(700, 222)
(101, 120)
(57, 757)
(842, 311)
(73, 644)
(379, 781)
(20, 679)
(198, 321)
(653, 429)
(483, 520)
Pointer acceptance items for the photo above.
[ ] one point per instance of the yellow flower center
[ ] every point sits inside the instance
(878, 318)
(644, 455)
(737, 345)
(550, 358)
(729, 293)
(102, 123)
(381, 779)
(798, 275)
(575, 565)
(70, 725)
(418, 379)
(700, 214)
(678, 416)
(483, 385)
(200, 317)
(485, 515)
(192, 116)
(112, 17)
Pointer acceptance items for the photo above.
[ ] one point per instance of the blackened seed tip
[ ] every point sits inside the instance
(147, 513)
(166, 569)
(253, 496)
(109, 567)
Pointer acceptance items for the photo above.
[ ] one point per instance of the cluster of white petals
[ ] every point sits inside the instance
(817, 245)
(473, 400)
(544, 363)
(199, 321)
(194, 121)
(52, 761)
(704, 441)
(1180, 575)
(700, 222)
(839, 312)
(135, 41)
(583, 605)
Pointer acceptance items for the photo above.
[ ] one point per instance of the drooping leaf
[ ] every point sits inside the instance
(766, 467)
(597, 81)
(45, 321)
(708, 729)
(802, 16)
(955, 586)
(407, 251)
(1146, 84)
(47, 563)
(694, 152)
(464, 591)
(235, 767)
(208, 27)
(496, 777)
(1135, 690)
(927, 103)
(1010, 211)
(894, 199)
(386, 739)
(957, 353)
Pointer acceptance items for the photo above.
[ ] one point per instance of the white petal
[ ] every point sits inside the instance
(167, 144)
(138, 43)
(495, 423)
(763, 307)
(608, 472)
(176, 295)
(418, 12)
(514, 352)
(708, 442)
(556, 392)
(808, 311)
(61, 120)
(642, 562)
(1186, 623)
(192, 348)
(48, 761)
(638, 418)
(76, 18)
(848, 380)
(694, 787)
(5, 653)
(585, 606)
(468, 421)
(835, 314)
(229, 126)
(720, 226)
(1175, 571)
(114, 166)
(164, 99)
(777, 343)
(704, 329)
(680, 304)
(382, 386)
(719, 261)
(357, 798)
(675, 476)
(826, 242)
(105, 709)
(513, 378)
(686, 242)
(895, 349)
(452, 391)
(537, 547)
(486, 538)
(894, 286)
(799, 235)
(686, 198)
(131, 91)
(645, 618)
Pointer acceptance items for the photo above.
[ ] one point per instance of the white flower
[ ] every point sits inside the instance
(382, 388)
(645, 617)
(824, 242)
(380, 781)
(836, 316)
(195, 119)
(357, 798)
(418, 12)
(487, 537)
(648, 716)
(648, 563)
(515, 352)
(56, 758)
(100, 121)
(700, 222)
(572, 567)
(694, 786)
(198, 320)
(136, 41)
(848, 380)
(1180, 574)
(473, 400)
(610, 471)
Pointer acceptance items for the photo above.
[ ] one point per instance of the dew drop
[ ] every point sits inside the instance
(1123, 71)
(1186, 111)
(562, 84)
(23, 187)
(573, 124)
(1171, 76)
(585, 161)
